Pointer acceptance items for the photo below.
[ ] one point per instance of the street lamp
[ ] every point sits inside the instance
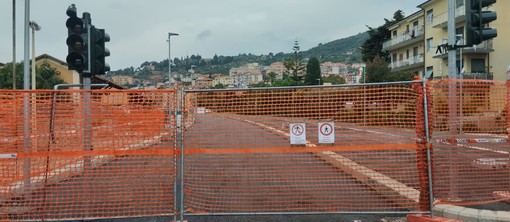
(170, 34)
(35, 27)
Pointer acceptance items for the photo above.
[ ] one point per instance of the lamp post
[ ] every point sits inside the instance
(35, 27)
(13, 44)
(170, 34)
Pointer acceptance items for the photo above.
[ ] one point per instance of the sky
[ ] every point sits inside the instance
(139, 29)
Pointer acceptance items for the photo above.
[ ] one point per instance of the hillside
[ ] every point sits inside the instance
(344, 50)
(337, 50)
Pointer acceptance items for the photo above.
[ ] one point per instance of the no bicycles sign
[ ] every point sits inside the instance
(297, 133)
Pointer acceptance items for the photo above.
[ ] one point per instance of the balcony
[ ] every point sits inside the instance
(404, 39)
(482, 48)
(413, 62)
(474, 75)
(441, 21)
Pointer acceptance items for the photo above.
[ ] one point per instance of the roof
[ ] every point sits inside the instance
(423, 4)
(99, 80)
(46, 56)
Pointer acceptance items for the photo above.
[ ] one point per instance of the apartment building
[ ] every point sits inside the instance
(122, 80)
(228, 81)
(406, 44)
(278, 68)
(202, 82)
(247, 75)
(418, 50)
(331, 68)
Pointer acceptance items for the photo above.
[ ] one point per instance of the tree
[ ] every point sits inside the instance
(335, 79)
(46, 76)
(294, 64)
(313, 72)
(377, 70)
(272, 77)
(372, 47)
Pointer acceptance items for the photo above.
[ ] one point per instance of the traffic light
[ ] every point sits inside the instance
(77, 57)
(476, 20)
(98, 52)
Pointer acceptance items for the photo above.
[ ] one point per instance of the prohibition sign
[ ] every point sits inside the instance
(326, 129)
(297, 129)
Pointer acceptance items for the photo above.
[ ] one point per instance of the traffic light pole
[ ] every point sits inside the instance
(86, 78)
(452, 89)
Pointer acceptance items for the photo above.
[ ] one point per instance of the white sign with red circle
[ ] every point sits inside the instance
(327, 132)
(297, 133)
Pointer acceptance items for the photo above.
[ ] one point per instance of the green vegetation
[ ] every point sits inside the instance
(46, 76)
(313, 72)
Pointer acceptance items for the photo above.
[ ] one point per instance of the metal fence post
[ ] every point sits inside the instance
(429, 146)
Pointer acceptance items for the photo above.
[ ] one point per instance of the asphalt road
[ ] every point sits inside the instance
(223, 183)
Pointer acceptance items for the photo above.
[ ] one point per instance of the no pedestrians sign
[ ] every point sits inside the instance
(326, 132)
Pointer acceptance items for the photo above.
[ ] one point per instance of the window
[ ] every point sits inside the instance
(459, 3)
(394, 33)
(477, 65)
(415, 51)
(430, 44)
(407, 54)
(429, 74)
(459, 32)
(430, 16)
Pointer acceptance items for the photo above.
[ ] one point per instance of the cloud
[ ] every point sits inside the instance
(204, 34)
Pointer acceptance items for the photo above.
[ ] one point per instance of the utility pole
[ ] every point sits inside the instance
(13, 44)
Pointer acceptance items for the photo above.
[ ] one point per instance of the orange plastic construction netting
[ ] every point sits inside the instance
(470, 139)
(327, 149)
(61, 158)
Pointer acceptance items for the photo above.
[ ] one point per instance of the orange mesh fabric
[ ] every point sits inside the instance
(238, 157)
(127, 168)
(471, 149)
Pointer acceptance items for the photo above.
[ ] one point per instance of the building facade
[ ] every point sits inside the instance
(68, 76)
(416, 43)
(330, 68)
(122, 80)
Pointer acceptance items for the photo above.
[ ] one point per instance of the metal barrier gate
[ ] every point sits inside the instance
(359, 150)
(346, 149)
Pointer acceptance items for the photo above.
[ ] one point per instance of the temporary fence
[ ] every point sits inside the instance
(365, 148)
(470, 141)
(350, 148)
(114, 156)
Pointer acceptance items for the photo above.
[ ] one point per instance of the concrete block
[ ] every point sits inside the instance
(452, 212)
(439, 209)
(503, 216)
(487, 216)
(469, 215)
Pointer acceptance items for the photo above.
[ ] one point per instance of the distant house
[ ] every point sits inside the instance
(278, 68)
(247, 75)
(330, 68)
(1, 65)
(70, 76)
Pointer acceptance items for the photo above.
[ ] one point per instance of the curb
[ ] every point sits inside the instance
(470, 214)
(426, 218)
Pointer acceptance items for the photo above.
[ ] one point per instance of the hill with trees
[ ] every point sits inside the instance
(346, 50)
